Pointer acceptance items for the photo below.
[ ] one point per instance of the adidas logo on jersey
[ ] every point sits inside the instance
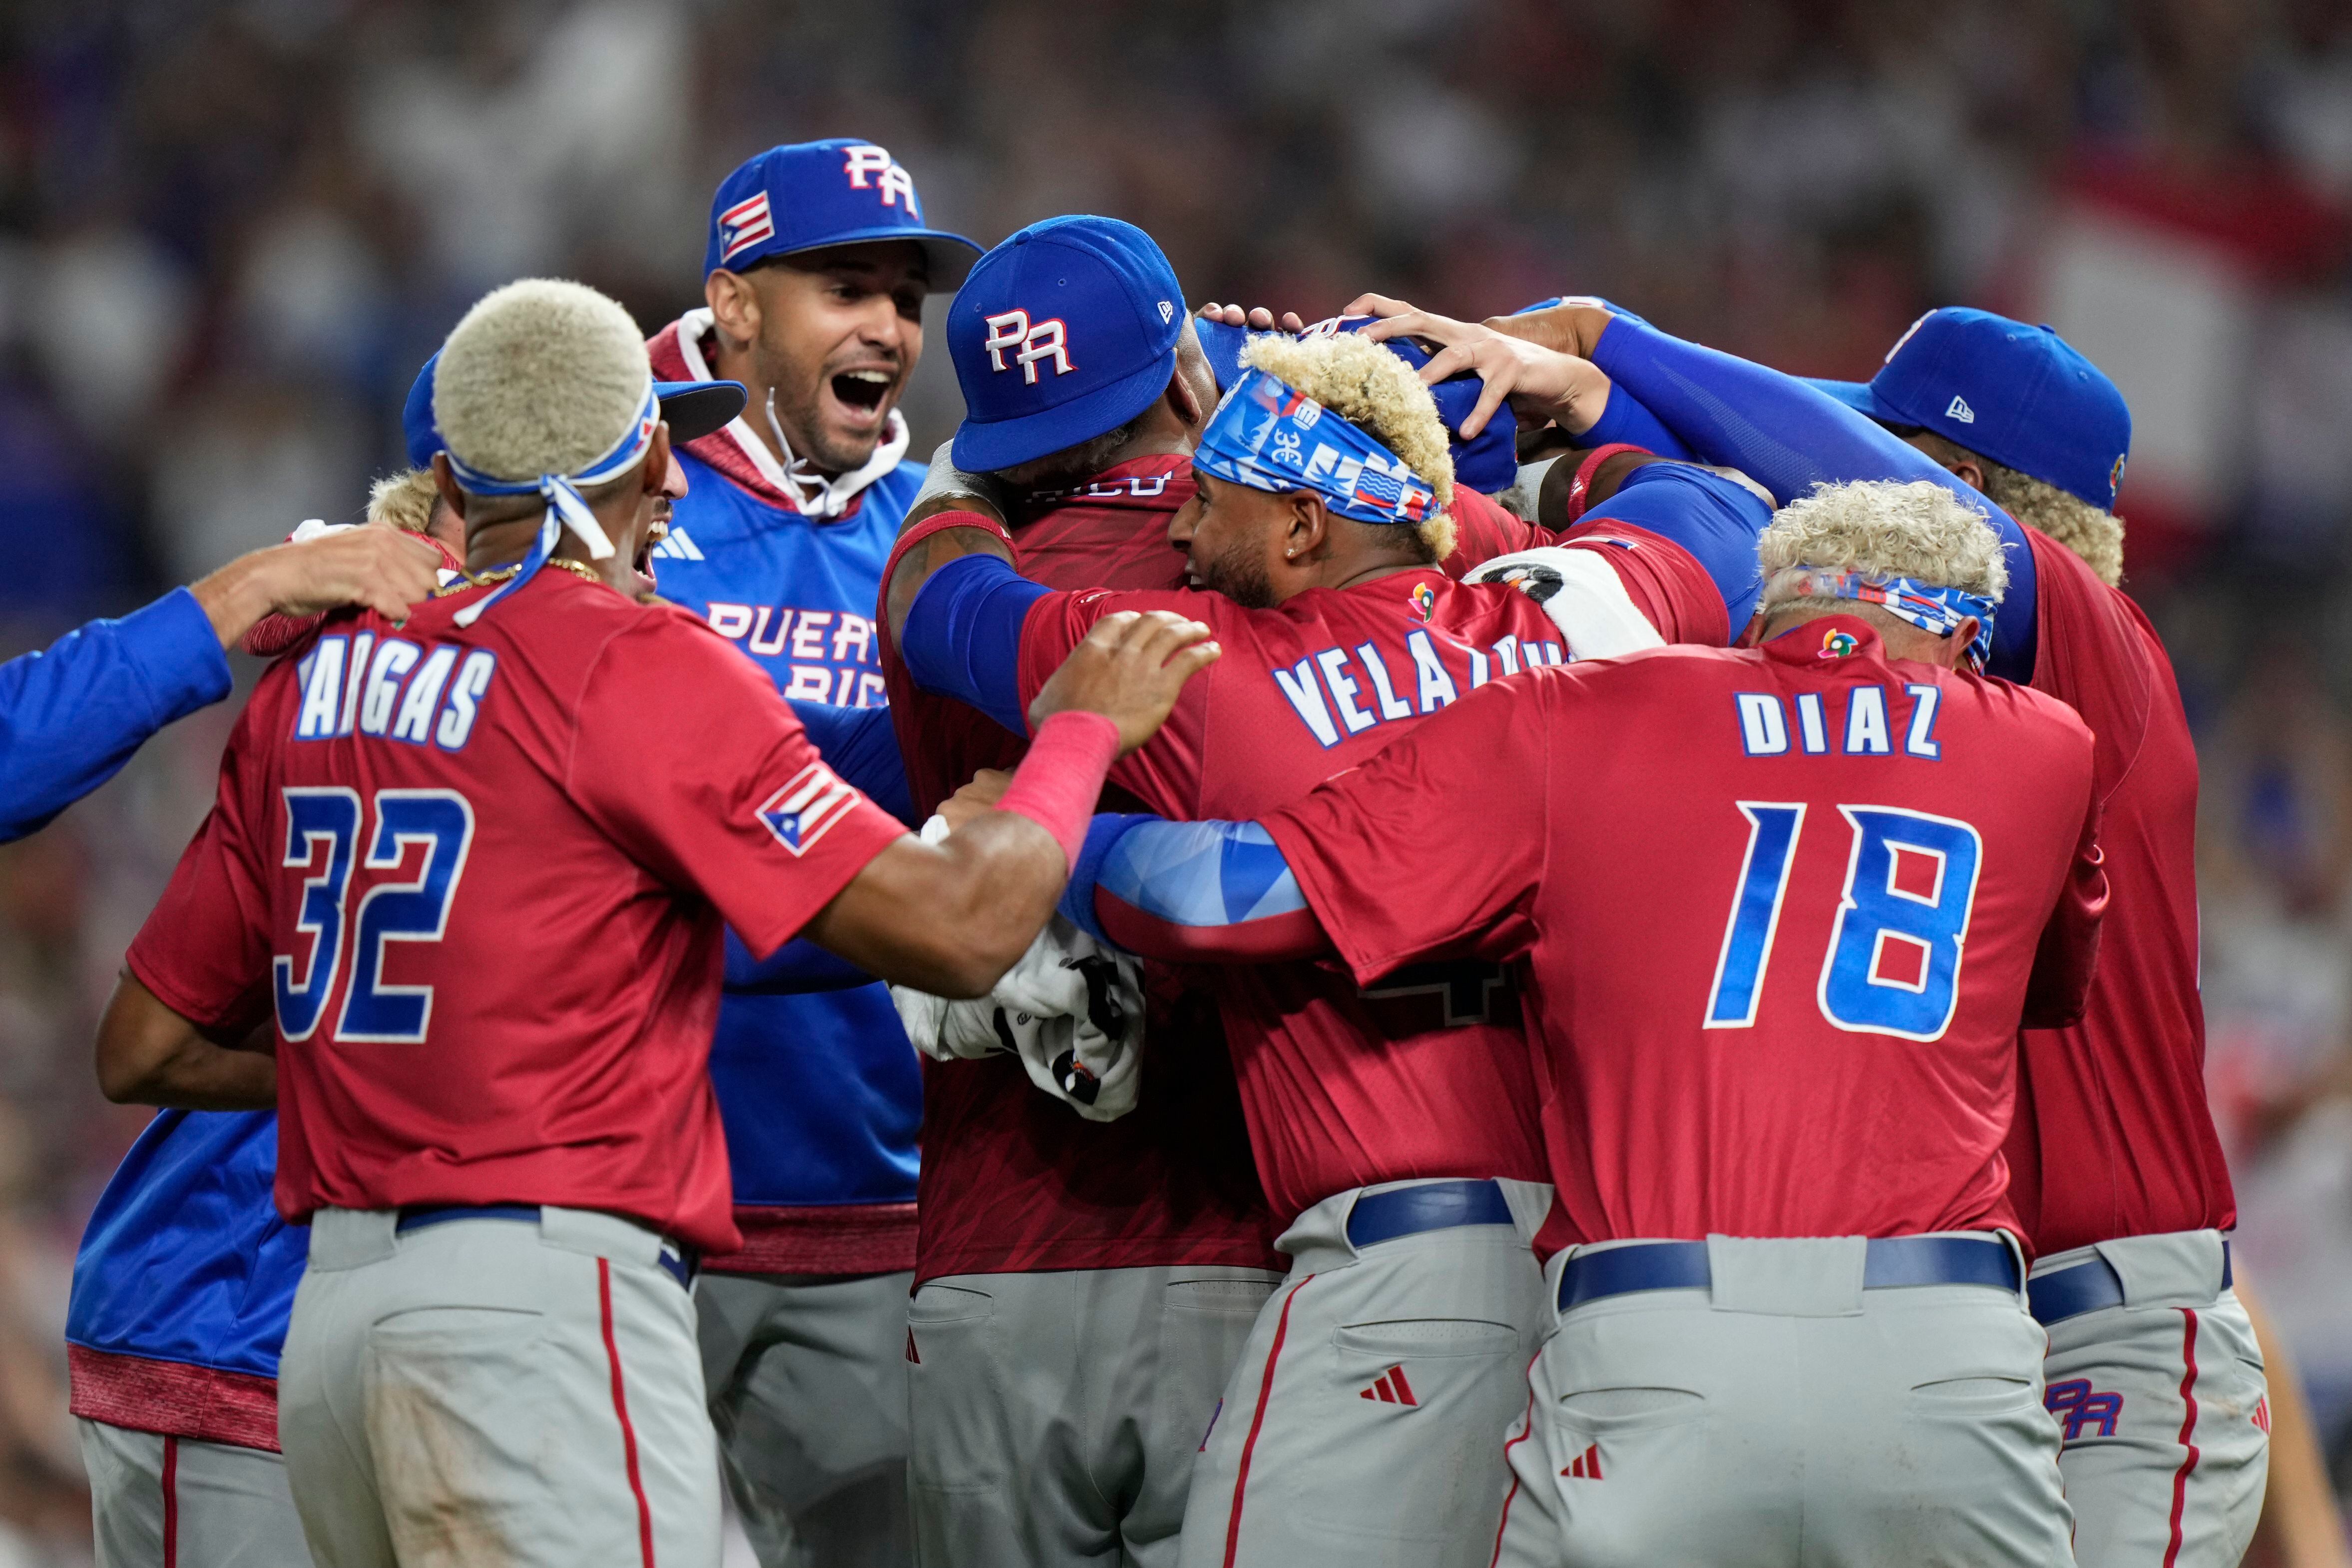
(1585, 1467)
(1390, 1388)
(1960, 410)
(676, 546)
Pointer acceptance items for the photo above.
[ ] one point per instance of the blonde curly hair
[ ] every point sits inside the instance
(1378, 393)
(540, 377)
(404, 500)
(1918, 530)
(2096, 536)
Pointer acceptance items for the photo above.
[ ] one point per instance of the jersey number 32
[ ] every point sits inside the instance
(323, 832)
(1893, 962)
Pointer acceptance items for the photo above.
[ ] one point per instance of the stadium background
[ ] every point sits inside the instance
(230, 232)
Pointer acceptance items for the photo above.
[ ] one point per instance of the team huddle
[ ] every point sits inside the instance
(1394, 942)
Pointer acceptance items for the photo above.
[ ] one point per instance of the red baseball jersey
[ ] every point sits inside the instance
(1426, 1073)
(1013, 1180)
(1778, 908)
(2114, 1136)
(481, 875)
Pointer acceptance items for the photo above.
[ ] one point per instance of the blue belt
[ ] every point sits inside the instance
(1425, 1206)
(2090, 1285)
(1889, 1261)
(673, 1258)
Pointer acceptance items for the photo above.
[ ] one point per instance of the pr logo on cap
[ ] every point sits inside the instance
(1033, 343)
(865, 160)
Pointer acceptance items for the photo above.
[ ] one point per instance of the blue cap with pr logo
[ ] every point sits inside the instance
(810, 194)
(2021, 396)
(1063, 333)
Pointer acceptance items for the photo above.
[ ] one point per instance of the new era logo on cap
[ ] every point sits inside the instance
(1960, 410)
(743, 225)
(799, 813)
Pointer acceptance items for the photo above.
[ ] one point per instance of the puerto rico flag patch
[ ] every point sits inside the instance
(745, 224)
(799, 813)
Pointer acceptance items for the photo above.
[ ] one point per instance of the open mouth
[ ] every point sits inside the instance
(862, 391)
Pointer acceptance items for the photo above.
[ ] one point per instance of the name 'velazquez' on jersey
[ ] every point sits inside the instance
(1342, 692)
(394, 689)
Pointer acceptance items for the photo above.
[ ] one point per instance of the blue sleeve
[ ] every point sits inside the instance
(799, 965)
(1624, 419)
(1788, 437)
(1716, 519)
(71, 715)
(862, 746)
(963, 635)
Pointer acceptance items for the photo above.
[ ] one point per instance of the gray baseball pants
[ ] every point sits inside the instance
(1056, 1417)
(2162, 1404)
(179, 1502)
(806, 1375)
(1784, 1416)
(1364, 1425)
(523, 1393)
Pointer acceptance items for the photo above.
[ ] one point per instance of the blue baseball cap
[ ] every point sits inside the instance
(1488, 463)
(2021, 396)
(1065, 332)
(810, 194)
(690, 408)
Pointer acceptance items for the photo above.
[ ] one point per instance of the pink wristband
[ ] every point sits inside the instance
(1059, 781)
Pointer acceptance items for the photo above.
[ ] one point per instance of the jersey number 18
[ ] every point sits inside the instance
(1893, 962)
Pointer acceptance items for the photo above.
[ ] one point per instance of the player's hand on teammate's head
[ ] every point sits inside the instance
(1258, 318)
(1541, 384)
(980, 797)
(1130, 668)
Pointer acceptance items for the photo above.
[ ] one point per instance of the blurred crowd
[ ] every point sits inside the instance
(230, 230)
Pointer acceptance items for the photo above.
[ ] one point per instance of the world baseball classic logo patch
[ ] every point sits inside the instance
(799, 813)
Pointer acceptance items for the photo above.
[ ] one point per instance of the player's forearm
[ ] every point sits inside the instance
(150, 1054)
(1191, 892)
(923, 549)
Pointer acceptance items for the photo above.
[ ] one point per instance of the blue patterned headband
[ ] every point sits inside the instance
(565, 506)
(1270, 436)
(1934, 610)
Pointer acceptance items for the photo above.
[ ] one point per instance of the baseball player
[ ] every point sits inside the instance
(1791, 1324)
(2156, 1379)
(1397, 1124)
(186, 1273)
(817, 265)
(476, 865)
(1045, 1241)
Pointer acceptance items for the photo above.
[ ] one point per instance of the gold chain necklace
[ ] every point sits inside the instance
(470, 580)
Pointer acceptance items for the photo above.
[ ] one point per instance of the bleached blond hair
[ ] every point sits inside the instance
(540, 377)
(404, 499)
(2096, 536)
(1880, 528)
(1378, 393)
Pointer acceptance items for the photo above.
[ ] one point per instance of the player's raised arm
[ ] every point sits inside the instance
(951, 918)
